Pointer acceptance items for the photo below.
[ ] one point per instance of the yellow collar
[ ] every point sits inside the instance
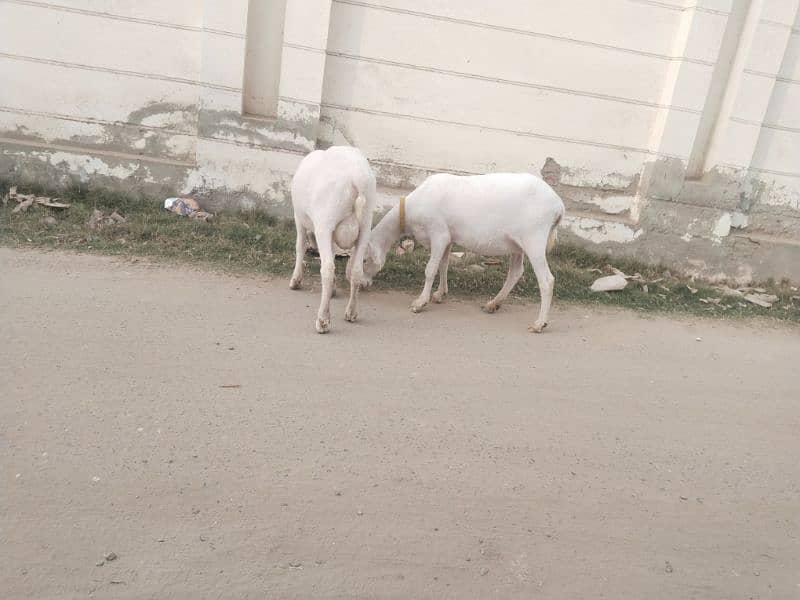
(402, 215)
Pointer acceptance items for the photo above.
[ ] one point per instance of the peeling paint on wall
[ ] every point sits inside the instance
(601, 232)
(722, 228)
(87, 166)
(739, 220)
(612, 205)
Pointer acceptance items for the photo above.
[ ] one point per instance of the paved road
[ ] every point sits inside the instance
(449, 454)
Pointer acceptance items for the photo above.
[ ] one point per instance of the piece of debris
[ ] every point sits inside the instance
(691, 289)
(187, 207)
(484, 571)
(476, 268)
(360, 513)
(95, 219)
(645, 289)
(457, 255)
(48, 221)
(492, 261)
(26, 200)
(54, 203)
(668, 567)
(231, 386)
(610, 283)
(99, 563)
(728, 291)
(697, 339)
(182, 206)
(765, 300)
(295, 564)
(23, 206)
(98, 219)
(110, 556)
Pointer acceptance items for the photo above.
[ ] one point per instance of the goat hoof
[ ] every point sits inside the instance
(323, 325)
(350, 316)
(295, 284)
(537, 327)
(491, 308)
(416, 308)
(438, 297)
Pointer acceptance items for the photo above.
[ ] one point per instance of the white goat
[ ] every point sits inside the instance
(333, 195)
(492, 215)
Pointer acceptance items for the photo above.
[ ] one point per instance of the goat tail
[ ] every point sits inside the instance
(553, 238)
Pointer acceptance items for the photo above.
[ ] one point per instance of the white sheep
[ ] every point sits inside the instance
(492, 215)
(333, 195)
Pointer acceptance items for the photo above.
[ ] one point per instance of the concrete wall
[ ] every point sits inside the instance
(669, 127)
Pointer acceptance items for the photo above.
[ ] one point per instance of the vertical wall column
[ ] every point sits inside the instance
(733, 85)
(762, 50)
(687, 83)
(698, 187)
(725, 82)
(305, 41)
(777, 154)
(260, 86)
(262, 63)
(222, 66)
(238, 98)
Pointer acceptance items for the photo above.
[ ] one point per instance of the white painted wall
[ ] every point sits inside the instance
(154, 91)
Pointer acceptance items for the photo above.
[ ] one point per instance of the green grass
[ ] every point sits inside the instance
(254, 242)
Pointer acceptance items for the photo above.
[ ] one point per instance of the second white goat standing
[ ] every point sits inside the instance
(501, 214)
